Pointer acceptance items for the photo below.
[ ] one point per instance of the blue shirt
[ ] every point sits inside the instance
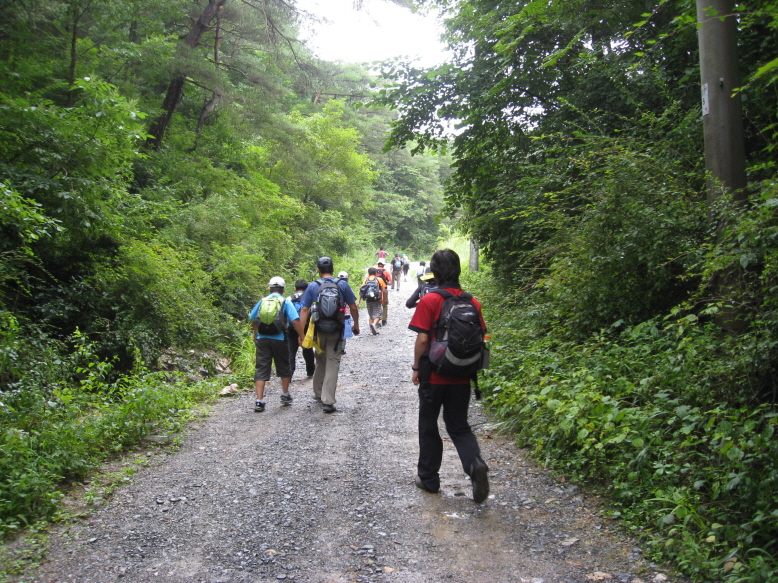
(312, 292)
(290, 314)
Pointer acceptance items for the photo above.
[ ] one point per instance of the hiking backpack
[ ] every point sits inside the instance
(370, 290)
(298, 305)
(427, 288)
(330, 307)
(270, 319)
(458, 347)
(397, 263)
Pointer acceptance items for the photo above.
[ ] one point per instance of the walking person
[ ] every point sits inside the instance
(348, 331)
(397, 271)
(406, 266)
(421, 270)
(436, 391)
(426, 284)
(271, 316)
(324, 294)
(381, 253)
(384, 274)
(292, 336)
(372, 291)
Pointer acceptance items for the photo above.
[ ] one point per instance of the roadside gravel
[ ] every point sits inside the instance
(297, 494)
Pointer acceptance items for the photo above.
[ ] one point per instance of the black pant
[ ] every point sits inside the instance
(455, 400)
(310, 364)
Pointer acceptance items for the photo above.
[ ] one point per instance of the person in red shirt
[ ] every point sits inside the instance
(452, 394)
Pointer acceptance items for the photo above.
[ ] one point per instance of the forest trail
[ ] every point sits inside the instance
(296, 494)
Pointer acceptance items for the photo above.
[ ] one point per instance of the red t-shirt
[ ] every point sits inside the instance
(423, 320)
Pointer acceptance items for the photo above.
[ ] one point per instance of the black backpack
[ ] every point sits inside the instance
(295, 299)
(330, 308)
(397, 263)
(370, 290)
(458, 347)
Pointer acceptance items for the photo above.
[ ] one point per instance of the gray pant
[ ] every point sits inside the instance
(325, 377)
(396, 275)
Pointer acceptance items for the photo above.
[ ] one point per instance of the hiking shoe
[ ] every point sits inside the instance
(478, 475)
(286, 399)
(327, 408)
(259, 406)
(421, 486)
(372, 329)
(383, 322)
(317, 399)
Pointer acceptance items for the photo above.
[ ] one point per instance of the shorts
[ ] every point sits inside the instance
(373, 309)
(270, 350)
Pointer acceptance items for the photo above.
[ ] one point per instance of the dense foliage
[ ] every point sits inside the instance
(579, 167)
(159, 162)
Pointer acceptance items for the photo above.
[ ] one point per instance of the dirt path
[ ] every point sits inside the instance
(296, 494)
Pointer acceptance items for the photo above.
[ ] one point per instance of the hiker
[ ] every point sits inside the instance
(397, 271)
(426, 283)
(348, 332)
(406, 266)
(292, 338)
(437, 390)
(381, 253)
(387, 277)
(421, 270)
(271, 316)
(372, 291)
(329, 298)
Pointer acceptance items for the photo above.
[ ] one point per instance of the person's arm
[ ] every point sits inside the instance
(355, 317)
(421, 346)
(411, 302)
(304, 313)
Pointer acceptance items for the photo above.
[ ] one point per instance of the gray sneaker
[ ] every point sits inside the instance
(286, 399)
(327, 408)
(259, 406)
(480, 479)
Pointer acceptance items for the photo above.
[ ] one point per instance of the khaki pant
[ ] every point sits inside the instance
(325, 377)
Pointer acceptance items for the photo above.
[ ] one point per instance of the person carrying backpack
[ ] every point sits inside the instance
(406, 266)
(384, 274)
(325, 302)
(397, 271)
(448, 352)
(372, 291)
(292, 336)
(426, 284)
(348, 332)
(270, 318)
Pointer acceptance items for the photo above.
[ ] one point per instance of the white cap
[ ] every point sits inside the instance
(343, 275)
(276, 282)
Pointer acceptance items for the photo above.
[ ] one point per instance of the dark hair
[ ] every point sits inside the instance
(325, 265)
(372, 271)
(301, 284)
(445, 266)
(422, 263)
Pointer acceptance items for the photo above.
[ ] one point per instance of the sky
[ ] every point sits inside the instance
(379, 30)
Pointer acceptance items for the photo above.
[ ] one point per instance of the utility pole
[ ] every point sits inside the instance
(722, 116)
(725, 159)
(473, 255)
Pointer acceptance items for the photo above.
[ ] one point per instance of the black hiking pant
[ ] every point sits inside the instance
(310, 363)
(455, 400)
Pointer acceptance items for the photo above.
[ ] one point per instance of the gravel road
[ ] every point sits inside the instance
(296, 494)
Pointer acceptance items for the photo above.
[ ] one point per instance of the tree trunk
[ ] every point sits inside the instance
(175, 91)
(722, 119)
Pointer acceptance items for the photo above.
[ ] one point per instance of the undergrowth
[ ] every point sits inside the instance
(62, 413)
(662, 415)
